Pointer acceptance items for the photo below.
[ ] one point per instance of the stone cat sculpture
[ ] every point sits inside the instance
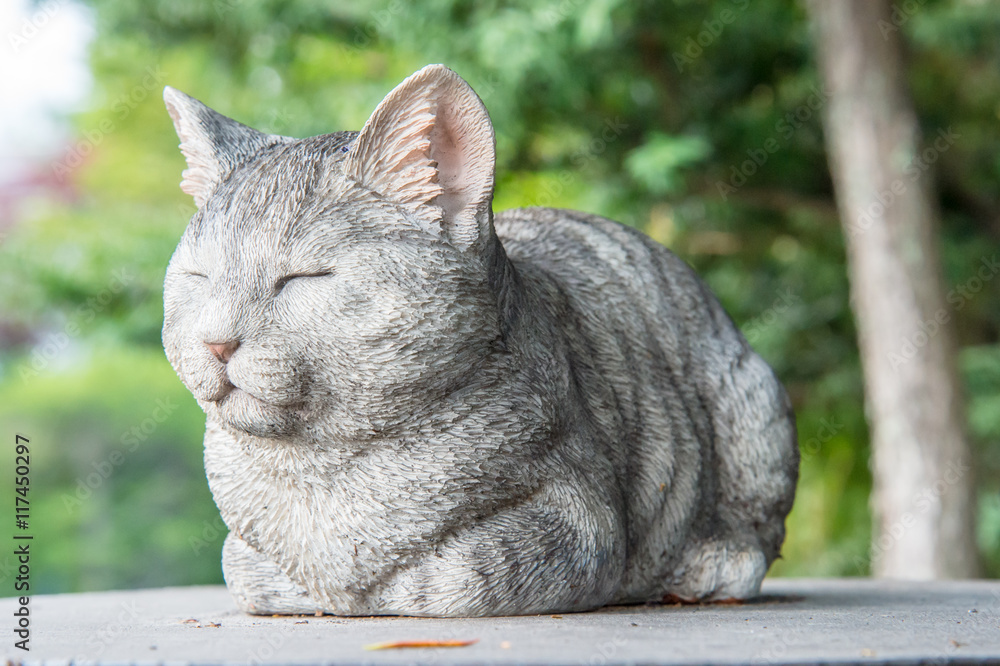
(417, 408)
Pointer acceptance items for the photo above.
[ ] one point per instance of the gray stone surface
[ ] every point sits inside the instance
(799, 621)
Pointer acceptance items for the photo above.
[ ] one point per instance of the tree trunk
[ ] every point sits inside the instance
(923, 494)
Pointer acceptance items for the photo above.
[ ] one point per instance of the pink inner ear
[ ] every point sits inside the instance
(463, 152)
(449, 150)
(429, 145)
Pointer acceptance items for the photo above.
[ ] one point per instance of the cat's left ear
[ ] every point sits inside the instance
(430, 146)
(213, 145)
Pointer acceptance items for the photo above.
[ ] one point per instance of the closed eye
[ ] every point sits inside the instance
(282, 281)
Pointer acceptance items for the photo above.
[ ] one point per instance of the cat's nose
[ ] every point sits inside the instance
(223, 350)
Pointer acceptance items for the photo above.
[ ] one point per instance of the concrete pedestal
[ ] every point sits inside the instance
(797, 621)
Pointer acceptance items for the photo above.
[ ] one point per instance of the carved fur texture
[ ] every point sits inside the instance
(416, 408)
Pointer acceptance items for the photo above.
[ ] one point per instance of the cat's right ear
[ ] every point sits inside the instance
(212, 144)
(429, 146)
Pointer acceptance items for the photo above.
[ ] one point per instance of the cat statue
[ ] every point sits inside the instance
(417, 408)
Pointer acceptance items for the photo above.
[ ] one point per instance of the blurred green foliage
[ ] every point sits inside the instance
(698, 122)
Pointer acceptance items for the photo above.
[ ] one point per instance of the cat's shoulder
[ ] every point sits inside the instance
(532, 223)
(571, 236)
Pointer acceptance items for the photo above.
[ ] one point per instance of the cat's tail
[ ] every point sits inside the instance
(756, 449)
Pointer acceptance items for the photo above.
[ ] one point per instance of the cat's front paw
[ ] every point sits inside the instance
(259, 586)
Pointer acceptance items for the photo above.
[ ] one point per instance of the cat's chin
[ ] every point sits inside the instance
(240, 411)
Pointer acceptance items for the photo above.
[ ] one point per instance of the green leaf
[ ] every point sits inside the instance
(657, 164)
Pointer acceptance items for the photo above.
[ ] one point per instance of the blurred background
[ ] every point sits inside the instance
(697, 122)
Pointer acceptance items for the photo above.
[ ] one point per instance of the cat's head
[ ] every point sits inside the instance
(340, 285)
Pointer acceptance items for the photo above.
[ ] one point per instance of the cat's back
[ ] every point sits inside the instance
(646, 339)
(620, 282)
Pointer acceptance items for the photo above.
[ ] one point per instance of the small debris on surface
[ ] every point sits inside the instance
(557, 617)
(674, 600)
(504, 645)
(419, 644)
(302, 622)
(867, 652)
